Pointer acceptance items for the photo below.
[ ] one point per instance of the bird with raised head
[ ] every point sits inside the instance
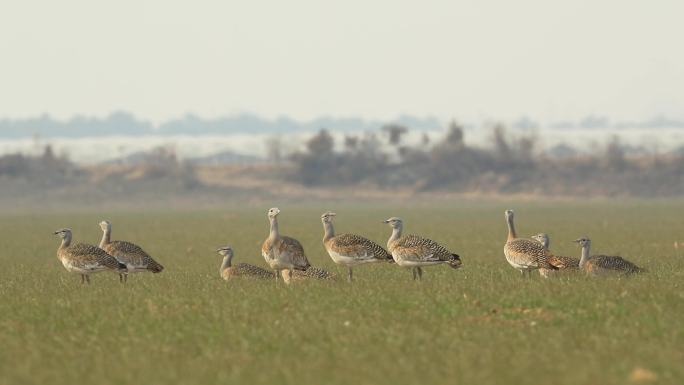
(282, 252)
(415, 252)
(85, 259)
(350, 250)
(604, 264)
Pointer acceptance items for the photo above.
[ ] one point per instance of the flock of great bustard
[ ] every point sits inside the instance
(286, 258)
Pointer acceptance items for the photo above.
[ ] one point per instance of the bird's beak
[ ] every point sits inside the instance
(385, 221)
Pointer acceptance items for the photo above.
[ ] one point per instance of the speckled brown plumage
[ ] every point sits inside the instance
(227, 270)
(311, 273)
(357, 247)
(85, 259)
(281, 252)
(130, 254)
(603, 264)
(315, 273)
(88, 257)
(414, 252)
(246, 270)
(133, 256)
(284, 252)
(350, 250)
(527, 254)
(416, 249)
(565, 264)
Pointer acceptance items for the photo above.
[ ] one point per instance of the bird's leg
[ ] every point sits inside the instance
(420, 273)
(414, 273)
(277, 273)
(125, 278)
(82, 279)
(522, 273)
(87, 279)
(287, 275)
(120, 278)
(350, 274)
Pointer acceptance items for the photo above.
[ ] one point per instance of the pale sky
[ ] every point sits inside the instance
(479, 59)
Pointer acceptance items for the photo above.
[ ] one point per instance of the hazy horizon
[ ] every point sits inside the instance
(486, 60)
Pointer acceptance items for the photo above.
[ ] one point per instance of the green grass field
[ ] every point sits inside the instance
(480, 324)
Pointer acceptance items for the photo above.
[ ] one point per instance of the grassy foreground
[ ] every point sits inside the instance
(479, 324)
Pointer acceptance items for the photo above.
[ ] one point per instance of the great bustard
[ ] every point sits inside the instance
(281, 252)
(604, 264)
(414, 252)
(349, 249)
(310, 273)
(569, 263)
(228, 270)
(85, 259)
(526, 255)
(130, 254)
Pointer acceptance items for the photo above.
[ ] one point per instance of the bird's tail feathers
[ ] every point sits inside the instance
(556, 263)
(155, 267)
(455, 261)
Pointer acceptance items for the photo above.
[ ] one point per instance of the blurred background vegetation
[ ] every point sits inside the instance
(371, 164)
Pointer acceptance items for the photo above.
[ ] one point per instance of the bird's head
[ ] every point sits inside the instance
(226, 251)
(105, 225)
(394, 222)
(63, 233)
(328, 217)
(273, 212)
(583, 241)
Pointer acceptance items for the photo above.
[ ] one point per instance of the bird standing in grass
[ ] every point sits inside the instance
(569, 263)
(604, 264)
(130, 254)
(526, 255)
(228, 271)
(281, 252)
(84, 259)
(414, 252)
(349, 249)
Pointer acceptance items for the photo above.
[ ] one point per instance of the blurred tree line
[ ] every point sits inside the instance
(160, 166)
(508, 165)
(382, 159)
(47, 169)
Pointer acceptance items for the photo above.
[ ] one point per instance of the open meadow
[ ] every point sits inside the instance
(482, 324)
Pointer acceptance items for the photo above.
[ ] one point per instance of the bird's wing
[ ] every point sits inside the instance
(295, 250)
(89, 255)
(413, 247)
(358, 247)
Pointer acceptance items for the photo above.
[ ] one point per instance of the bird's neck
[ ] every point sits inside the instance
(106, 237)
(511, 228)
(274, 234)
(225, 264)
(329, 231)
(66, 241)
(585, 255)
(396, 233)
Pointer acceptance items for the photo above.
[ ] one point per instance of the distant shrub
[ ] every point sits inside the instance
(508, 165)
